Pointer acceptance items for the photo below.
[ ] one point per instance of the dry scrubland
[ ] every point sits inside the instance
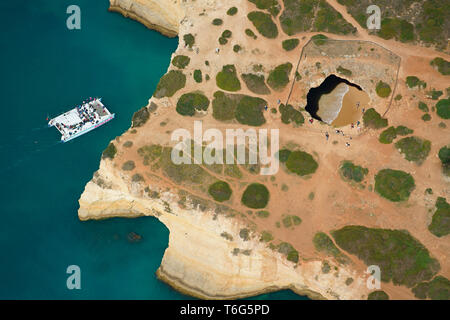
(332, 209)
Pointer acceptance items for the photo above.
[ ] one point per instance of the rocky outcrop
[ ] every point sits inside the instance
(199, 260)
(161, 15)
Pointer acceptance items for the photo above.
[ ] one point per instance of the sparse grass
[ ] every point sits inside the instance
(353, 172)
(109, 152)
(232, 170)
(150, 153)
(440, 224)
(170, 83)
(401, 258)
(264, 24)
(256, 83)
(227, 79)
(414, 149)
(394, 185)
(373, 120)
(220, 191)
(140, 117)
(279, 77)
(255, 196)
(290, 44)
(323, 243)
(383, 89)
(301, 163)
(181, 61)
(191, 102)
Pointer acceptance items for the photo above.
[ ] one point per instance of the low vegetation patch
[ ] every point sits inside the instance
(289, 251)
(323, 243)
(170, 83)
(378, 295)
(266, 236)
(140, 117)
(396, 28)
(440, 224)
(270, 5)
(232, 11)
(150, 153)
(414, 149)
(290, 44)
(373, 119)
(128, 166)
(220, 191)
(443, 66)
(198, 76)
(301, 163)
(291, 220)
(255, 196)
(391, 133)
(189, 40)
(217, 22)
(413, 81)
(344, 71)
(319, 39)
(255, 83)
(444, 156)
(383, 89)
(401, 258)
(109, 152)
(394, 185)
(181, 61)
(352, 172)
(290, 114)
(227, 79)
(423, 106)
(436, 289)
(264, 24)
(262, 214)
(191, 102)
(250, 110)
(279, 77)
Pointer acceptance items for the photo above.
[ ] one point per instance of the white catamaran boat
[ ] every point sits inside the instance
(82, 119)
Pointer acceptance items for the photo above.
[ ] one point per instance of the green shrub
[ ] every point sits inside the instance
(426, 117)
(401, 258)
(443, 108)
(378, 295)
(227, 34)
(440, 224)
(279, 77)
(198, 76)
(237, 48)
(390, 134)
(140, 117)
(137, 178)
(290, 114)
(372, 119)
(189, 40)
(396, 28)
(403, 131)
(444, 156)
(434, 94)
(414, 149)
(413, 81)
(109, 152)
(255, 83)
(383, 89)
(290, 44)
(301, 163)
(227, 79)
(255, 196)
(232, 11)
(220, 191)
(288, 250)
(181, 61)
(291, 220)
(352, 172)
(266, 236)
(223, 41)
(217, 22)
(443, 66)
(191, 102)
(283, 155)
(436, 289)
(263, 214)
(323, 243)
(423, 106)
(128, 144)
(170, 83)
(264, 24)
(250, 33)
(250, 110)
(394, 185)
(128, 166)
(344, 71)
(224, 106)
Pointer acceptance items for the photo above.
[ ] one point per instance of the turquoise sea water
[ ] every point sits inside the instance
(46, 70)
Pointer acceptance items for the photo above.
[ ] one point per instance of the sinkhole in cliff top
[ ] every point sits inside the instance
(337, 101)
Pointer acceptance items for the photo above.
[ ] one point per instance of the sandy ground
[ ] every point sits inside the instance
(336, 203)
